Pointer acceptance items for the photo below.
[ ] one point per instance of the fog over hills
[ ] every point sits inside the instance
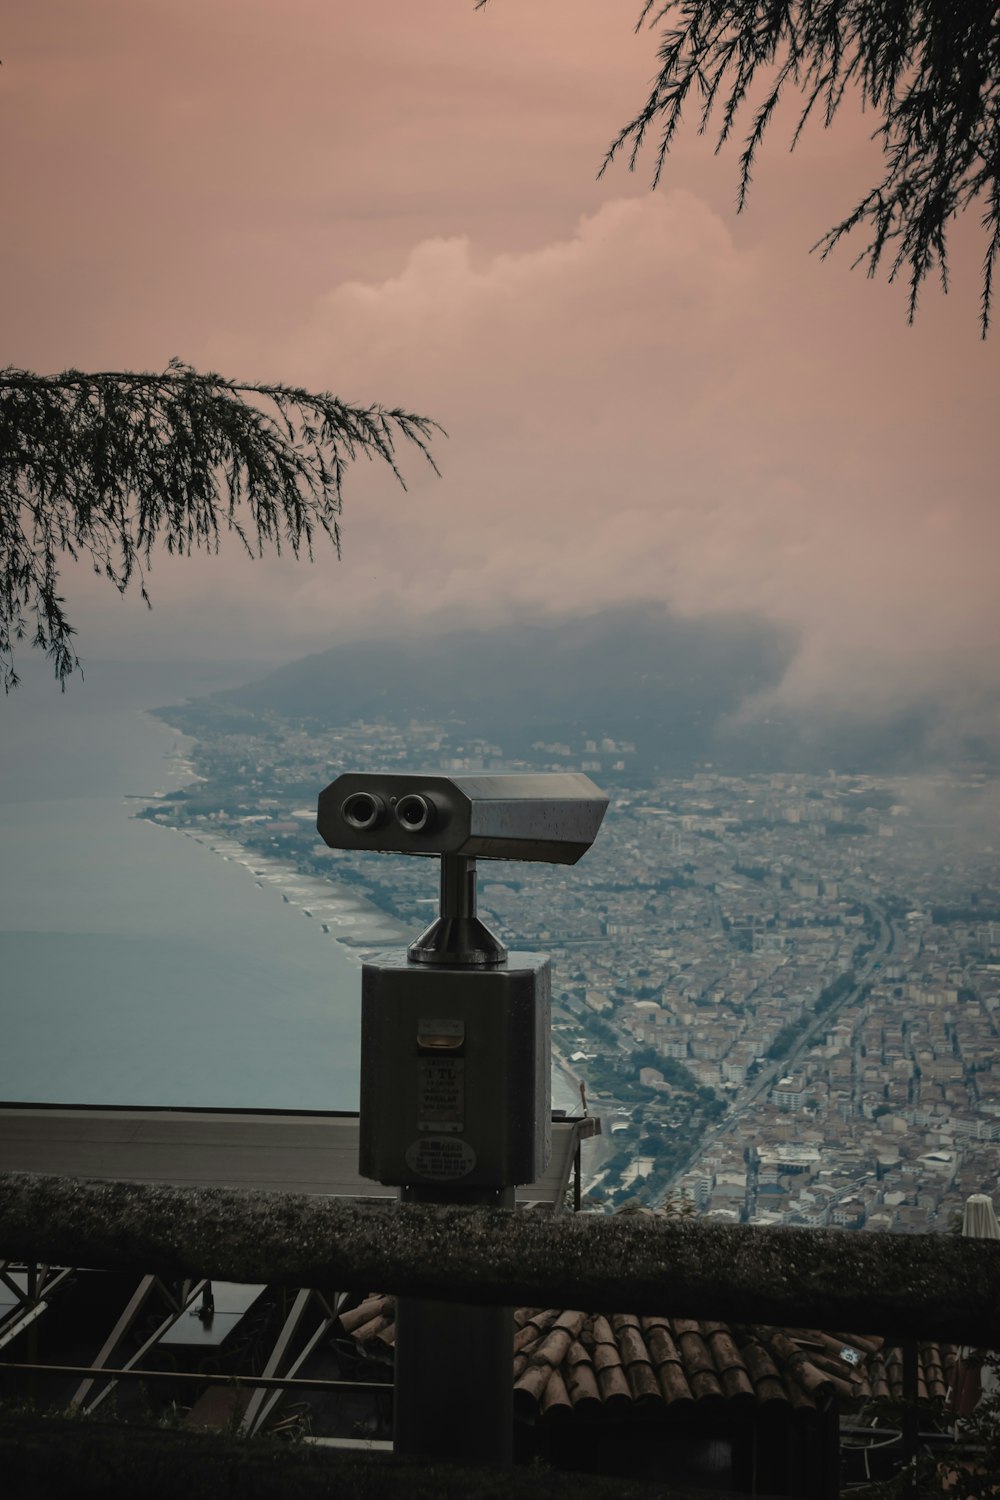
(682, 690)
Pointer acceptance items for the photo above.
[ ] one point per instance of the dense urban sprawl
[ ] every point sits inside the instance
(780, 992)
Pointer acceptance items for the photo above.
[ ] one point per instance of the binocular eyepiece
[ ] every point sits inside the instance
(551, 816)
(365, 811)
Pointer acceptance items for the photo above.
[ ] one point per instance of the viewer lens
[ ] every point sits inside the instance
(363, 811)
(414, 813)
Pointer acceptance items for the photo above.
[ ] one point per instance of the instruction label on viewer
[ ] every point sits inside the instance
(440, 1093)
(440, 1158)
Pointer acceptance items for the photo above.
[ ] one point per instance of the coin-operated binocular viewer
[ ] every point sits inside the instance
(455, 1057)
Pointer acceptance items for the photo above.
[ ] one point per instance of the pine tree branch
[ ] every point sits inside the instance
(930, 68)
(109, 465)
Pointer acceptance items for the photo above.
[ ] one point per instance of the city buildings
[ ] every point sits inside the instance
(782, 990)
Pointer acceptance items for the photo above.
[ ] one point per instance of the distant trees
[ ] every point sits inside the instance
(603, 1031)
(944, 916)
(786, 1038)
(105, 466)
(752, 872)
(792, 1031)
(831, 993)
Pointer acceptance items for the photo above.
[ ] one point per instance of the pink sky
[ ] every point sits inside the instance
(646, 395)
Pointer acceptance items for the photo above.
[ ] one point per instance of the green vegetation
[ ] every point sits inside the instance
(944, 916)
(786, 1038)
(789, 1034)
(831, 993)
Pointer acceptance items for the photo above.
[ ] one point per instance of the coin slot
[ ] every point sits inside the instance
(437, 1034)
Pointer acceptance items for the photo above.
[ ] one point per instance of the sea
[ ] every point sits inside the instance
(141, 965)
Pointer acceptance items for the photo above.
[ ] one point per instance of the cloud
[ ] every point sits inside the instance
(644, 409)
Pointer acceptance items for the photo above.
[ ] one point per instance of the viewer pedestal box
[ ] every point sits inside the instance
(455, 1072)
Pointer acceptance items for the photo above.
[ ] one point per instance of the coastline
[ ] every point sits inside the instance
(346, 917)
(354, 921)
(138, 970)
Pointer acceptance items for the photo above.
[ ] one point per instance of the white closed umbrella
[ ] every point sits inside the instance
(979, 1220)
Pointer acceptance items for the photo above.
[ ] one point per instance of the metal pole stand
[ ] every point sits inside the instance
(455, 1109)
(454, 1391)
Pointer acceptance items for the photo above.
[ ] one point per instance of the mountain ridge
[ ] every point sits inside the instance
(681, 688)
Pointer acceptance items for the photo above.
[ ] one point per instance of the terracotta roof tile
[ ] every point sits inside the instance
(763, 1373)
(358, 1316)
(665, 1359)
(936, 1364)
(811, 1381)
(636, 1360)
(567, 1362)
(529, 1328)
(581, 1385)
(699, 1366)
(532, 1382)
(551, 1349)
(733, 1375)
(612, 1385)
(556, 1397)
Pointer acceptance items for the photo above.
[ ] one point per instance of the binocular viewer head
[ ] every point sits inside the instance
(552, 817)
